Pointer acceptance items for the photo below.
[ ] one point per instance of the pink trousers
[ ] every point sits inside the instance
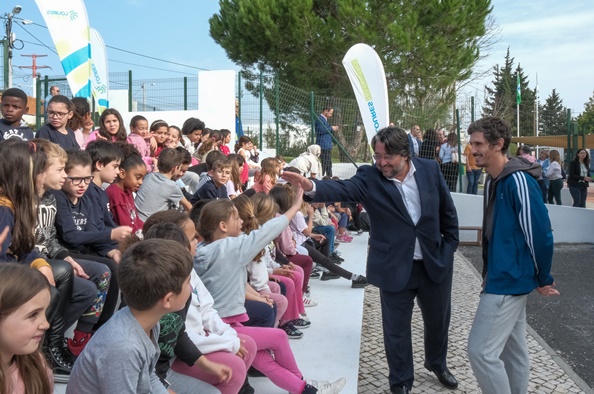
(279, 299)
(281, 369)
(238, 366)
(294, 295)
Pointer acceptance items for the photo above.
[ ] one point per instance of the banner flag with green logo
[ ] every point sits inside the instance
(519, 92)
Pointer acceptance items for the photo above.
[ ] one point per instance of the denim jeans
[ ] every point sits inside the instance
(473, 181)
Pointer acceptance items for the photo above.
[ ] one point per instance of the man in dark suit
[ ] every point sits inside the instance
(414, 142)
(324, 139)
(413, 237)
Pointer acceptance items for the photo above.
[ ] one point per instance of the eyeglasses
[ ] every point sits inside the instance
(77, 180)
(59, 115)
(377, 157)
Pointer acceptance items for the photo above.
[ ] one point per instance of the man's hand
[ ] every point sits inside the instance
(548, 290)
(298, 180)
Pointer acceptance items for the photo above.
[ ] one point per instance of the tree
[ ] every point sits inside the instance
(553, 116)
(586, 119)
(501, 101)
(427, 46)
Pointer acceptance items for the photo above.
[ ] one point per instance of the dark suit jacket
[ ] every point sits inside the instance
(393, 233)
(574, 177)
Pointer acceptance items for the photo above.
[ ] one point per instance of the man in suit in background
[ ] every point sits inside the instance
(324, 139)
(411, 248)
(414, 141)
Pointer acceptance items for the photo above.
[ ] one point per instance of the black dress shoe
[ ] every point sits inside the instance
(400, 390)
(446, 378)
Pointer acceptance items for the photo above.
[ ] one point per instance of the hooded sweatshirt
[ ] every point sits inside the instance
(517, 236)
(308, 162)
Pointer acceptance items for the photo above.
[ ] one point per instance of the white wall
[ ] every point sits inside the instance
(570, 225)
(216, 104)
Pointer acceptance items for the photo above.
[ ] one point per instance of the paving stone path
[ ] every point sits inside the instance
(546, 376)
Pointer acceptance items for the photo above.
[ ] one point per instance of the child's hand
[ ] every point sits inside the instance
(153, 143)
(310, 210)
(222, 372)
(78, 270)
(115, 254)
(242, 352)
(118, 234)
(47, 272)
(3, 235)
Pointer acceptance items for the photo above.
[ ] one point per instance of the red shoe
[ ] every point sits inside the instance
(78, 342)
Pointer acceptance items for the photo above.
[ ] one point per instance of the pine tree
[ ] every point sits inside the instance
(500, 97)
(553, 116)
(586, 118)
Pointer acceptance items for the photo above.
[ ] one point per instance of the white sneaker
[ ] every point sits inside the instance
(325, 387)
(308, 302)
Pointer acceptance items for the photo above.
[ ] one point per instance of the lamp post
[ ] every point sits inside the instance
(8, 44)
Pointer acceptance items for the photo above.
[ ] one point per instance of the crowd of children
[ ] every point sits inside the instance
(210, 275)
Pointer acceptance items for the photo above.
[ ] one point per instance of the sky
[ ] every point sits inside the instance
(550, 38)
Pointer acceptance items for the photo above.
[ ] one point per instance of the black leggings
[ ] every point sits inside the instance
(59, 301)
(321, 258)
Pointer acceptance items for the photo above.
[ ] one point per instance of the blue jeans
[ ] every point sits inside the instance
(473, 181)
(329, 232)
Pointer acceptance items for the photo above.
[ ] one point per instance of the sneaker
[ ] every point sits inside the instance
(336, 256)
(359, 232)
(329, 276)
(300, 323)
(315, 273)
(359, 283)
(78, 342)
(292, 332)
(325, 387)
(308, 302)
(335, 260)
(59, 360)
(344, 238)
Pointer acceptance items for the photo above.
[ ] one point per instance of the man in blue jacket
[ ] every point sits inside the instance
(517, 258)
(324, 139)
(413, 237)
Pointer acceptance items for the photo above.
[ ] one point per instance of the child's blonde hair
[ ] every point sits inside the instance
(264, 207)
(268, 167)
(245, 209)
(222, 164)
(52, 151)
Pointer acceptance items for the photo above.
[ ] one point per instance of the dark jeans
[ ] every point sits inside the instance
(326, 159)
(260, 314)
(554, 192)
(90, 292)
(321, 258)
(473, 181)
(579, 194)
(111, 300)
(544, 188)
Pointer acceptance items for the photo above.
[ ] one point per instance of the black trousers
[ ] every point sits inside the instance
(434, 300)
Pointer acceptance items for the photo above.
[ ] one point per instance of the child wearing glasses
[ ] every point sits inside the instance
(77, 225)
(59, 112)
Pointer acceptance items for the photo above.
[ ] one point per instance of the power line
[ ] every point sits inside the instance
(155, 58)
(141, 65)
(37, 39)
(122, 50)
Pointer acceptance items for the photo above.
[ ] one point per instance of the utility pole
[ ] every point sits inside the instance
(34, 67)
(8, 44)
